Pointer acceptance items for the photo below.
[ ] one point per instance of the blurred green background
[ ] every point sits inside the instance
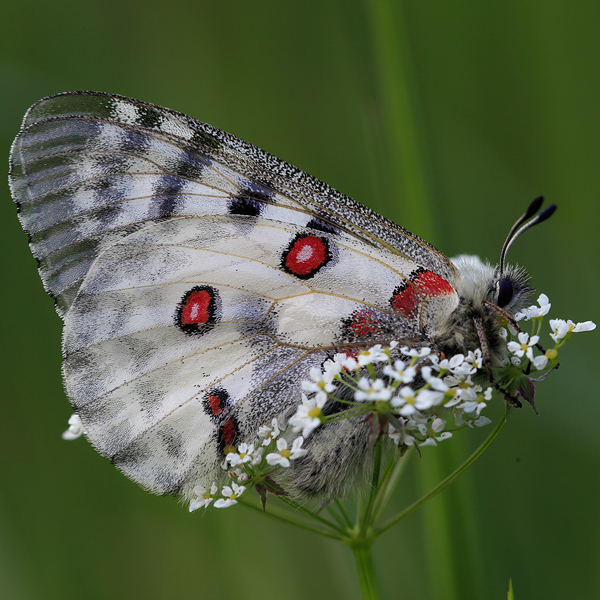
(448, 117)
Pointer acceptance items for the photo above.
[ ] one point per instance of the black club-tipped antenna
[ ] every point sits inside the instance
(518, 228)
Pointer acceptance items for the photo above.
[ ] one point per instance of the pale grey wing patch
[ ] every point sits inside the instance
(115, 417)
(197, 455)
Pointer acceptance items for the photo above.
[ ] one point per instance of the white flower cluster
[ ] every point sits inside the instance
(247, 464)
(417, 412)
(413, 413)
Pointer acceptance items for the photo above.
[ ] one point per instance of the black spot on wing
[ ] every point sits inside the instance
(189, 167)
(322, 226)
(250, 201)
(167, 192)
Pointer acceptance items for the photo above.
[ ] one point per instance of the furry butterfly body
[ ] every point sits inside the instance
(200, 279)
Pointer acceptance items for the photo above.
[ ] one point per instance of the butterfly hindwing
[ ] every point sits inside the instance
(200, 278)
(192, 305)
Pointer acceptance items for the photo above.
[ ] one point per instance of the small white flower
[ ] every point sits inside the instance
(437, 384)
(372, 390)
(535, 311)
(374, 354)
(525, 345)
(400, 371)
(458, 378)
(235, 473)
(203, 497)
(346, 362)
(405, 399)
(559, 328)
(331, 368)
(456, 361)
(477, 402)
(269, 433)
(308, 415)
(585, 326)
(283, 456)
(470, 420)
(75, 428)
(503, 333)
(416, 418)
(320, 384)
(475, 359)
(431, 432)
(428, 398)
(230, 495)
(540, 362)
(455, 396)
(243, 455)
(400, 437)
(257, 456)
(414, 353)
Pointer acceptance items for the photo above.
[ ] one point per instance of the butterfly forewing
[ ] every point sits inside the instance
(201, 278)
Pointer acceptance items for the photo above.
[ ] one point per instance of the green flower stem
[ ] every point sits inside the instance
(342, 510)
(366, 572)
(440, 486)
(286, 517)
(338, 518)
(391, 478)
(314, 516)
(366, 517)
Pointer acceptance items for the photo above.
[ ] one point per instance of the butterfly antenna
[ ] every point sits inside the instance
(518, 228)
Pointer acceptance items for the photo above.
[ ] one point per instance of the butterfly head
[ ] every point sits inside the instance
(491, 294)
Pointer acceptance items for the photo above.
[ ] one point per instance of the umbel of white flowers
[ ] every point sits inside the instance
(411, 415)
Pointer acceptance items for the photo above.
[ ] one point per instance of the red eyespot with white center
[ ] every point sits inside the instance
(199, 310)
(305, 255)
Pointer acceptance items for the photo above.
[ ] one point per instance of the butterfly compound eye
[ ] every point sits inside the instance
(505, 292)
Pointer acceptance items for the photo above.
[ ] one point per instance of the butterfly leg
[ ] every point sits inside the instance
(487, 361)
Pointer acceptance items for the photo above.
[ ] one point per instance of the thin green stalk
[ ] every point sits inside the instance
(440, 486)
(366, 571)
(338, 518)
(366, 520)
(344, 514)
(312, 515)
(383, 497)
(285, 517)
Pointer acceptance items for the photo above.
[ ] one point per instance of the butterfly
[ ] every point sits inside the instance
(200, 279)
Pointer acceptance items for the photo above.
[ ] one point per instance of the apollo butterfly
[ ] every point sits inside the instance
(200, 279)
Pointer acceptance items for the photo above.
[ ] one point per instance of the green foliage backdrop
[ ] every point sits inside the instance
(494, 103)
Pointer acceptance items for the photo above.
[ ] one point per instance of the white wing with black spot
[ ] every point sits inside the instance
(201, 278)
